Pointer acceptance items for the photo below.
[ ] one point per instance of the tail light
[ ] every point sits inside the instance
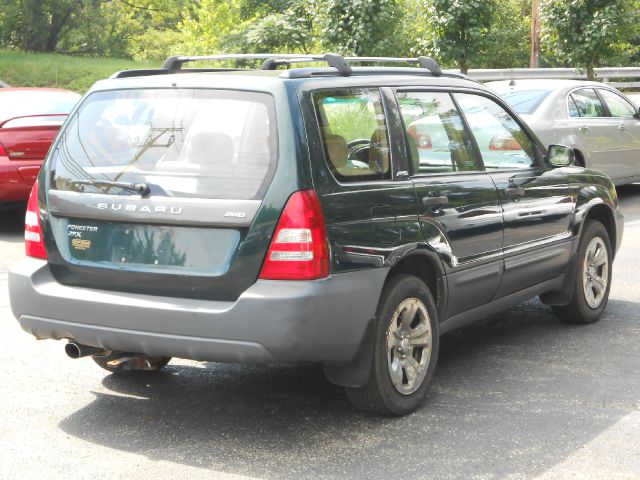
(3, 152)
(504, 142)
(33, 241)
(299, 249)
(422, 139)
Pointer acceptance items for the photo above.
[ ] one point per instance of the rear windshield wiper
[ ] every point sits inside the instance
(141, 189)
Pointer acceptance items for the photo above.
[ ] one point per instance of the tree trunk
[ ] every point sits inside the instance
(58, 21)
(34, 23)
(590, 73)
(464, 68)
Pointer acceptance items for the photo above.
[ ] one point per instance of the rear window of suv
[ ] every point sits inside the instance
(180, 142)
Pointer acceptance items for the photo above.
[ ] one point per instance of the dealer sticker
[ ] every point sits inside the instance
(80, 244)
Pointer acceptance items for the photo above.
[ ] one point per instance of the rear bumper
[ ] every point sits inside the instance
(273, 321)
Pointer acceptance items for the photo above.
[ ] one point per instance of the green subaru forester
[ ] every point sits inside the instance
(339, 214)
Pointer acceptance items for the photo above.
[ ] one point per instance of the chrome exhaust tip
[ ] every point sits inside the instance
(76, 350)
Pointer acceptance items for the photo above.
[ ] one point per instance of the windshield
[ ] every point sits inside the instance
(525, 102)
(180, 142)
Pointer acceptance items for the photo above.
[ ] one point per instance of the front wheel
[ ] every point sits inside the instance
(121, 362)
(593, 277)
(405, 350)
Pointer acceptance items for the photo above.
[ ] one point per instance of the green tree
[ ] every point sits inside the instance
(415, 35)
(462, 30)
(361, 27)
(37, 25)
(206, 27)
(289, 26)
(508, 42)
(586, 32)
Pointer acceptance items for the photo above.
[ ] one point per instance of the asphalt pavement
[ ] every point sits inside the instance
(518, 395)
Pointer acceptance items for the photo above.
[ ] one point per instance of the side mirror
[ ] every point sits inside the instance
(637, 114)
(561, 156)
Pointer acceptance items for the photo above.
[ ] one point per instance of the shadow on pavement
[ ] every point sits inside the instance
(513, 395)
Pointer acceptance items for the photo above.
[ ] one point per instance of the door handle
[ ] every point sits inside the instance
(514, 192)
(584, 129)
(435, 202)
(622, 126)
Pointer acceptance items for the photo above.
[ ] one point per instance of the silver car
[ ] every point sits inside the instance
(599, 122)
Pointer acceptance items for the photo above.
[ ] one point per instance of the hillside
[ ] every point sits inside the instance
(62, 71)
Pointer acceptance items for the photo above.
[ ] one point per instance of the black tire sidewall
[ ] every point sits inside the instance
(592, 230)
(399, 289)
(579, 311)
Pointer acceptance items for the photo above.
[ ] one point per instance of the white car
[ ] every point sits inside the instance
(599, 122)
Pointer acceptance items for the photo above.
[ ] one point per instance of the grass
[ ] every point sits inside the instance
(61, 71)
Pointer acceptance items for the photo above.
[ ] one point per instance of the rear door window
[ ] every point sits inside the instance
(354, 134)
(180, 142)
(436, 138)
(501, 140)
(587, 104)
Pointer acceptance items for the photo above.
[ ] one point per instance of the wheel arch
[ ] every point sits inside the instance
(428, 268)
(603, 214)
(419, 260)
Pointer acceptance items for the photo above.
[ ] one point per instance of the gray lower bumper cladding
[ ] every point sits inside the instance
(273, 321)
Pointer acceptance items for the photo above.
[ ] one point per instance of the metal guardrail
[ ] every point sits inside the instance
(610, 75)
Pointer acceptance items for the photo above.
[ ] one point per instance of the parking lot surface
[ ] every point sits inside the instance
(518, 395)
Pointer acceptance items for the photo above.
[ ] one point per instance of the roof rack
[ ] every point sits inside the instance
(271, 61)
(424, 62)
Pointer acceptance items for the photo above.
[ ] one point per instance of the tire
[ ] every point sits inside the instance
(396, 386)
(593, 277)
(122, 362)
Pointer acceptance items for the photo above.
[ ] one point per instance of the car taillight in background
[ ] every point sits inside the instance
(299, 249)
(33, 241)
(423, 139)
(3, 152)
(504, 142)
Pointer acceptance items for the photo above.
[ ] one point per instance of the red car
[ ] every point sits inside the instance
(29, 121)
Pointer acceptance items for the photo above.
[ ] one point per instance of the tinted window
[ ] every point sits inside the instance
(354, 134)
(181, 142)
(587, 104)
(502, 142)
(618, 106)
(525, 101)
(436, 138)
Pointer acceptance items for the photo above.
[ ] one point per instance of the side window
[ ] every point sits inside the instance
(587, 103)
(501, 140)
(618, 106)
(436, 138)
(354, 134)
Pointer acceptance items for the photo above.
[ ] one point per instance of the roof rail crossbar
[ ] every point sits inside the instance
(424, 62)
(271, 60)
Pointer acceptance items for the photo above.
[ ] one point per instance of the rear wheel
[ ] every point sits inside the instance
(405, 350)
(122, 362)
(593, 277)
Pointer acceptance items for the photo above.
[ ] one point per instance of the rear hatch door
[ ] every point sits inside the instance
(160, 191)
